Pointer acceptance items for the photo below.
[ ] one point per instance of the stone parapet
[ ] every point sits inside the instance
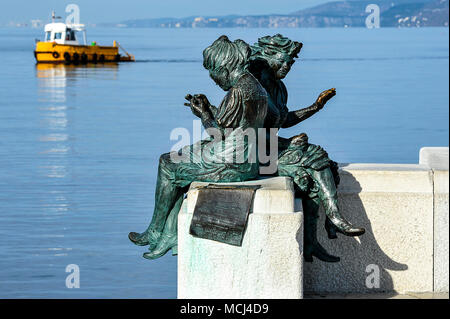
(269, 264)
(404, 208)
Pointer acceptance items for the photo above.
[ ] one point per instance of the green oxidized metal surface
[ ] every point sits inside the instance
(244, 107)
(314, 174)
(256, 98)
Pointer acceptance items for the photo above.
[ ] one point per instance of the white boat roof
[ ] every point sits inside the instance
(76, 27)
(61, 27)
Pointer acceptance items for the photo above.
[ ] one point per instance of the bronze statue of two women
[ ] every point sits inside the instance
(256, 99)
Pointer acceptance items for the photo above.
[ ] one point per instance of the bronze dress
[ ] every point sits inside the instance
(244, 106)
(295, 159)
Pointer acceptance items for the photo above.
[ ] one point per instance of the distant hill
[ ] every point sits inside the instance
(393, 13)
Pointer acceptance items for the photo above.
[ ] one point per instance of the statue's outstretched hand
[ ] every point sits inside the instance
(324, 97)
(198, 103)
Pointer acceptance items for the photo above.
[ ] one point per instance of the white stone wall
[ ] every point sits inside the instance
(394, 203)
(269, 264)
(437, 159)
(404, 208)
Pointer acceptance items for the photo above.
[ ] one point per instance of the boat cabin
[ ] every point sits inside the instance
(61, 45)
(62, 33)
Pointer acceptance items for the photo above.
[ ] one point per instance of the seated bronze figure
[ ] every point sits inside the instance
(315, 176)
(244, 107)
(256, 99)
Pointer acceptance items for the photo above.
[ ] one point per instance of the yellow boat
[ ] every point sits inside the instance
(61, 46)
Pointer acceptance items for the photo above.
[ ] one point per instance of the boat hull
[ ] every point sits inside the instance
(51, 52)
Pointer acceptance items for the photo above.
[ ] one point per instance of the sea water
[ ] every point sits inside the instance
(79, 146)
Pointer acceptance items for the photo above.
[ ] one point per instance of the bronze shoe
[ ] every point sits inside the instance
(145, 238)
(166, 243)
(335, 225)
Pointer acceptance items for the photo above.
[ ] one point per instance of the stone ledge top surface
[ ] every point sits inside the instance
(383, 167)
(434, 157)
(271, 183)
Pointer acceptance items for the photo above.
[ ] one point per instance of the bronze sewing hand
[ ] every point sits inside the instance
(201, 108)
(198, 103)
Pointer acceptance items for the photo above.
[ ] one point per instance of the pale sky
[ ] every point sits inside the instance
(95, 11)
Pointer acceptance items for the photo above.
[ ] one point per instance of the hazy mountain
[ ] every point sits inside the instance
(393, 13)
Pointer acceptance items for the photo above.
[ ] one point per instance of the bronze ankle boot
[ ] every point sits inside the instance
(166, 243)
(336, 223)
(149, 237)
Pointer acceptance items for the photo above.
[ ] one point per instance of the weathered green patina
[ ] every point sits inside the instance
(315, 175)
(256, 99)
(244, 107)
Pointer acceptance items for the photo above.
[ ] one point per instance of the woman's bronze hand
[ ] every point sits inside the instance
(198, 103)
(324, 97)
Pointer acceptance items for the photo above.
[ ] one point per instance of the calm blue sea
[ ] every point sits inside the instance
(79, 147)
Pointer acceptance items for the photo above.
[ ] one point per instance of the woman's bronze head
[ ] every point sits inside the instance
(224, 58)
(278, 51)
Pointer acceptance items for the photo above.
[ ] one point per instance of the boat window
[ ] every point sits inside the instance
(58, 36)
(70, 35)
(48, 35)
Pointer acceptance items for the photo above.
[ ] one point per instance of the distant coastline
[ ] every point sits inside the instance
(393, 13)
(335, 14)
